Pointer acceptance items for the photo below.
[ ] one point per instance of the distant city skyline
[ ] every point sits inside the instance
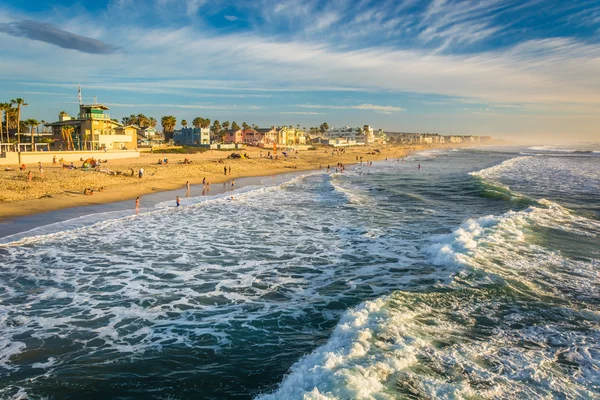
(489, 67)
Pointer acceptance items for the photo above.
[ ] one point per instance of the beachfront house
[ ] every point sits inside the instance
(351, 136)
(262, 137)
(191, 136)
(234, 136)
(92, 129)
(291, 136)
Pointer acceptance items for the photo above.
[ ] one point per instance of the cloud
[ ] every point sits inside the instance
(371, 107)
(49, 33)
(231, 18)
(301, 113)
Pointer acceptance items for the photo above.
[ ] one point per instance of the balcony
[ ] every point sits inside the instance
(93, 116)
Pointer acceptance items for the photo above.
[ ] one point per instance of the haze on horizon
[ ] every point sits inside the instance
(481, 67)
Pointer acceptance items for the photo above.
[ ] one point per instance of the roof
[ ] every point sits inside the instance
(100, 106)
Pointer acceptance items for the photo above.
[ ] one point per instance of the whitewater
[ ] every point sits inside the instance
(476, 276)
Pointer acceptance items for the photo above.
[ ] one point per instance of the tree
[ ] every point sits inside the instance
(4, 107)
(152, 122)
(43, 123)
(235, 126)
(205, 123)
(197, 122)
(31, 124)
(216, 128)
(324, 127)
(226, 125)
(184, 123)
(126, 121)
(142, 121)
(244, 125)
(168, 123)
(20, 103)
(67, 132)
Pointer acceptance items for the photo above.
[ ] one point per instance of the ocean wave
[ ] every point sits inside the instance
(96, 223)
(487, 334)
(486, 343)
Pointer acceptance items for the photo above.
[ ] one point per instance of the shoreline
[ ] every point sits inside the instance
(205, 165)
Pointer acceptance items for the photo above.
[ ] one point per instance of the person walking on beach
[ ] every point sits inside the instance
(54, 160)
(225, 170)
(41, 168)
(187, 186)
(29, 176)
(204, 181)
(177, 201)
(229, 170)
(141, 173)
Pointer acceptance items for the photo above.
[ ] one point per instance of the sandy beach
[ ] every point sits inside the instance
(63, 188)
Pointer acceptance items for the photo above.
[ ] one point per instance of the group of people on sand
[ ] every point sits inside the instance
(89, 191)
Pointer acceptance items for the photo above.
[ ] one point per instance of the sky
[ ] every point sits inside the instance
(511, 69)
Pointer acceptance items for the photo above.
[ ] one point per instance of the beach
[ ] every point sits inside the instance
(63, 188)
(381, 281)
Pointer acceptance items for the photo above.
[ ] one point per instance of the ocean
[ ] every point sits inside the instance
(476, 276)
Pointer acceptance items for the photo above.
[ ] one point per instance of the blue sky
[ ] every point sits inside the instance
(512, 69)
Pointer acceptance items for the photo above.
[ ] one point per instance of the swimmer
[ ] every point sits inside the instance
(178, 201)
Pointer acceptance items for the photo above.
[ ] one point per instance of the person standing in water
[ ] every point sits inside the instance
(187, 186)
(177, 201)
(419, 167)
(232, 183)
(137, 203)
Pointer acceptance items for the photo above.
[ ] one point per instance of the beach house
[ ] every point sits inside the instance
(234, 136)
(191, 136)
(92, 129)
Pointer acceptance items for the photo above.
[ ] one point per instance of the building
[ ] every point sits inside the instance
(93, 129)
(356, 136)
(454, 139)
(191, 136)
(234, 136)
(291, 136)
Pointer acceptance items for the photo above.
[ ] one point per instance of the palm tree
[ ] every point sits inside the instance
(142, 121)
(32, 123)
(245, 125)
(235, 126)
(4, 107)
(184, 123)
(126, 121)
(205, 123)
(152, 122)
(168, 123)
(226, 125)
(197, 122)
(20, 103)
(67, 132)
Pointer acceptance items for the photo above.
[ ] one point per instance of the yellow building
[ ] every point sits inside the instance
(291, 136)
(93, 130)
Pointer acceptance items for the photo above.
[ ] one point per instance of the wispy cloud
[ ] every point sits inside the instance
(231, 18)
(369, 107)
(51, 34)
(301, 113)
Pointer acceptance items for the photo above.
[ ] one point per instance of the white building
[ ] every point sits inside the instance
(352, 136)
